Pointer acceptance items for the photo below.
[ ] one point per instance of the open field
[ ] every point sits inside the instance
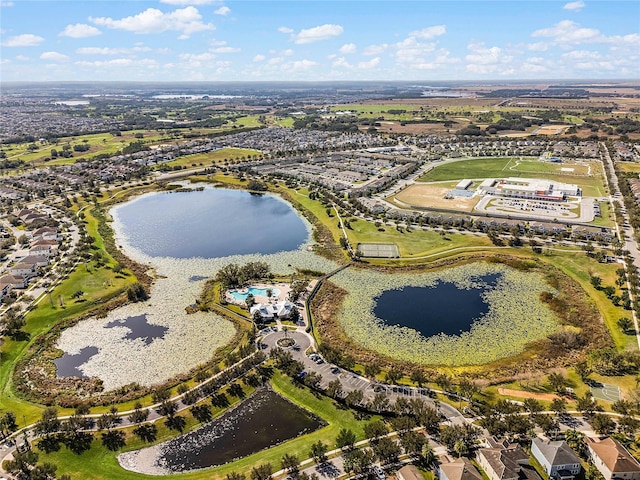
(629, 166)
(433, 195)
(587, 175)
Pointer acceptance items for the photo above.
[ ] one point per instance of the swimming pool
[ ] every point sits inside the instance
(256, 292)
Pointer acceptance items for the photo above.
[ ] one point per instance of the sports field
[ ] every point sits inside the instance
(587, 175)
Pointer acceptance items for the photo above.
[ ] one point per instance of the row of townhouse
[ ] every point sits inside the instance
(506, 461)
(44, 243)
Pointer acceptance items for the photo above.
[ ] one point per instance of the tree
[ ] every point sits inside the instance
(559, 405)
(418, 377)
(394, 375)
(371, 369)
(376, 429)
(319, 452)
(138, 415)
(358, 461)
(345, 439)
(626, 325)
(412, 442)
(113, 439)
(334, 389)
(354, 397)
(386, 450)
(261, 472)
(557, 381)
(602, 424)
(147, 432)
(49, 422)
(235, 476)
(575, 440)
(290, 463)
(201, 413)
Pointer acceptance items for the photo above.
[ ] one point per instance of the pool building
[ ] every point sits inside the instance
(268, 311)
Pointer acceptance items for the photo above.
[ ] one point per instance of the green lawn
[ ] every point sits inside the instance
(501, 167)
(578, 267)
(474, 168)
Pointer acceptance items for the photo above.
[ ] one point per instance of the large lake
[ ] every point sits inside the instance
(210, 223)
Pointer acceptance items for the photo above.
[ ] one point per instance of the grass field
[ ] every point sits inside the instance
(629, 167)
(481, 168)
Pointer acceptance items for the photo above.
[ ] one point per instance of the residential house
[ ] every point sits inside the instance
(9, 282)
(409, 472)
(612, 460)
(459, 469)
(557, 458)
(504, 461)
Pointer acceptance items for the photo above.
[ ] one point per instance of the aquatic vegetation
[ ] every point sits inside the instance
(515, 317)
(189, 339)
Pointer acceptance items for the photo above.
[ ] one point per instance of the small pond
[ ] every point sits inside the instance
(67, 365)
(139, 327)
(210, 223)
(263, 420)
(444, 308)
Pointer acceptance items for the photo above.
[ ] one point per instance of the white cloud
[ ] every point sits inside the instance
(410, 51)
(575, 6)
(226, 50)
(569, 32)
(348, 48)
(374, 62)
(582, 55)
(6, 4)
(372, 50)
(79, 30)
(187, 2)
(341, 62)
(259, 58)
(316, 34)
(223, 10)
(197, 57)
(430, 32)
(300, 65)
(98, 51)
(285, 30)
(116, 62)
(186, 20)
(24, 40)
(54, 57)
(538, 47)
(22, 58)
(483, 60)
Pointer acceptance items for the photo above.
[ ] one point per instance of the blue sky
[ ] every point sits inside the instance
(212, 40)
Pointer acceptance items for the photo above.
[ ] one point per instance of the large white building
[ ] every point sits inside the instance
(528, 188)
(268, 311)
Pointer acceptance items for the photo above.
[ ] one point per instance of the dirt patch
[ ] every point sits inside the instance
(547, 397)
(433, 195)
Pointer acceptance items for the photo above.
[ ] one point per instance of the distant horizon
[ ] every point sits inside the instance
(426, 82)
(308, 41)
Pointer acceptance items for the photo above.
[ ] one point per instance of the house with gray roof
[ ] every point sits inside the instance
(557, 458)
